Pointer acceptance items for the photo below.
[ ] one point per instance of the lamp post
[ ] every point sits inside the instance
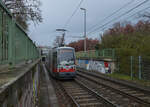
(84, 28)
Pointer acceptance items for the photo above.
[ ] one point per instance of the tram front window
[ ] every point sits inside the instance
(66, 57)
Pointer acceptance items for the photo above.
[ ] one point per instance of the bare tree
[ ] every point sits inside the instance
(24, 11)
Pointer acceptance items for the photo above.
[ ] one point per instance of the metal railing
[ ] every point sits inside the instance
(15, 45)
(105, 53)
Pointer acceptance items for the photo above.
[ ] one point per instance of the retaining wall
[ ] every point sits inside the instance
(22, 91)
(97, 65)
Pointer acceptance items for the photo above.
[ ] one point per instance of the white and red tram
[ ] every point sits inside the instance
(61, 63)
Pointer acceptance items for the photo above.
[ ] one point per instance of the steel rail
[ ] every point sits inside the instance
(73, 100)
(117, 90)
(147, 91)
(102, 100)
(95, 93)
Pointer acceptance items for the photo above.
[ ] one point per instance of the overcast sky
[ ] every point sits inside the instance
(57, 12)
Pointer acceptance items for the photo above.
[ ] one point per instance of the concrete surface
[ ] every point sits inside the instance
(47, 97)
(19, 85)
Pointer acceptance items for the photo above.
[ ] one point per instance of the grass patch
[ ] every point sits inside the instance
(128, 78)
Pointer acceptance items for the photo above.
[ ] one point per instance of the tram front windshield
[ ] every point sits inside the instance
(66, 57)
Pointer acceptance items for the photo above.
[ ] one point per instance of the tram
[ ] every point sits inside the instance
(61, 63)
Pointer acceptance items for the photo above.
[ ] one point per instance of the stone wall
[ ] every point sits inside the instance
(96, 65)
(22, 92)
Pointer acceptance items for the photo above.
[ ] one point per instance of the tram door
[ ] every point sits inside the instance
(55, 62)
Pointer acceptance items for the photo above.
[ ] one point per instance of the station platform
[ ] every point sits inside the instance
(47, 96)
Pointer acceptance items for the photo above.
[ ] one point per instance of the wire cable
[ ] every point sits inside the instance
(119, 16)
(107, 17)
(68, 21)
(137, 13)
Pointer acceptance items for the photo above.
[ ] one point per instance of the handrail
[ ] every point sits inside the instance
(105, 53)
(15, 44)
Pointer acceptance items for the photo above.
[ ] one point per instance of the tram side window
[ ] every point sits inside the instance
(55, 60)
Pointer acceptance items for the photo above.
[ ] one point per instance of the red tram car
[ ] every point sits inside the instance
(61, 63)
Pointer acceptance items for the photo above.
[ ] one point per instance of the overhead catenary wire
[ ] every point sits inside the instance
(129, 17)
(76, 9)
(139, 12)
(107, 17)
(118, 16)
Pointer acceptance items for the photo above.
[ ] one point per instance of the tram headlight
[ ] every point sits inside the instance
(73, 67)
(57, 70)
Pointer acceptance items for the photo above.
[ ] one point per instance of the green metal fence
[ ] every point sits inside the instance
(15, 45)
(105, 53)
(137, 67)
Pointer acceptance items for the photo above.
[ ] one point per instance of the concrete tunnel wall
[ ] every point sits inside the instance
(95, 65)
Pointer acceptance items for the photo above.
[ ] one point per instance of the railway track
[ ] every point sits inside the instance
(118, 94)
(79, 95)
